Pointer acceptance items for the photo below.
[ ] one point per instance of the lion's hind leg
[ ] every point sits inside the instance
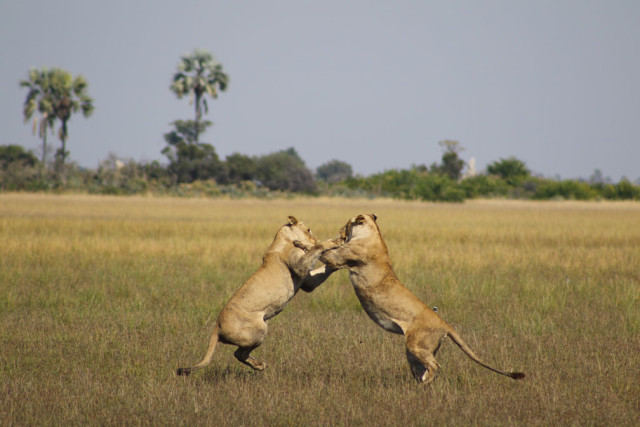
(243, 355)
(247, 331)
(421, 349)
(424, 367)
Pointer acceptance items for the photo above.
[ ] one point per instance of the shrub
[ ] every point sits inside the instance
(512, 170)
(567, 189)
(624, 190)
(439, 188)
(484, 186)
(334, 171)
(285, 170)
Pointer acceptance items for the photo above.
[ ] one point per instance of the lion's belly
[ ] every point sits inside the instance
(266, 294)
(375, 301)
(381, 318)
(278, 302)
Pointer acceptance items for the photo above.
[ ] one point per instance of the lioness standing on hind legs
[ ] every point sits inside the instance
(387, 301)
(284, 270)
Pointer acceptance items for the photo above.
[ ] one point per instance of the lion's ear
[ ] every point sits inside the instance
(359, 219)
(292, 220)
(374, 216)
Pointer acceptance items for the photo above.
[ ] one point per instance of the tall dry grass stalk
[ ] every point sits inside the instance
(102, 298)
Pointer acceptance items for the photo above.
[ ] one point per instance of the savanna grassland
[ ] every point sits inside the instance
(102, 298)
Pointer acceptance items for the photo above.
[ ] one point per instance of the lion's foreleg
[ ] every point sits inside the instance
(340, 257)
(315, 278)
(303, 265)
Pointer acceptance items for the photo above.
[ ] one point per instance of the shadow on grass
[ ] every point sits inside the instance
(214, 374)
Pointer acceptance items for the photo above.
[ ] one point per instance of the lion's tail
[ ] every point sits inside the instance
(467, 350)
(207, 358)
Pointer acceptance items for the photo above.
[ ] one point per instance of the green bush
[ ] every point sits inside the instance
(439, 188)
(624, 190)
(410, 184)
(511, 170)
(567, 189)
(484, 186)
(285, 171)
(334, 171)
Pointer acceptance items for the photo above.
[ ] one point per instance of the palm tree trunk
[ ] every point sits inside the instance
(198, 117)
(60, 158)
(44, 146)
(43, 165)
(63, 136)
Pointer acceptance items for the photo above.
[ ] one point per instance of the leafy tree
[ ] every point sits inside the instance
(190, 161)
(624, 190)
(240, 168)
(16, 154)
(512, 170)
(17, 168)
(334, 171)
(199, 75)
(452, 164)
(285, 170)
(157, 173)
(39, 100)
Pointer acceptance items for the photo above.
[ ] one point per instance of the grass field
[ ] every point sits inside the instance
(102, 298)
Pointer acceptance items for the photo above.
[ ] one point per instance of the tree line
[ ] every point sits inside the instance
(284, 173)
(194, 168)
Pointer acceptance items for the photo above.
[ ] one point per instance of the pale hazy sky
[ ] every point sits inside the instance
(377, 84)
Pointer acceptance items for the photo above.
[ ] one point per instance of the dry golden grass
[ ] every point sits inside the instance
(102, 298)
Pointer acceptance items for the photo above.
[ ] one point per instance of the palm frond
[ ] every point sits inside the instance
(80, 85)
(198, 75)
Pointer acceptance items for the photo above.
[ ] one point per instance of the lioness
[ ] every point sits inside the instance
(387, 301)
(284, 270)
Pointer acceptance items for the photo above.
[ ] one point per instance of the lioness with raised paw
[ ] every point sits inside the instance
(388, 302)
(284, 270)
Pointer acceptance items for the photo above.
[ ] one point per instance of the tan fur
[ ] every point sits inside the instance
(284, 270)
(388, 302)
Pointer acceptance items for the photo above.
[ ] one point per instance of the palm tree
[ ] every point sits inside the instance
(38, 100)
(68, 95)
(199, 75)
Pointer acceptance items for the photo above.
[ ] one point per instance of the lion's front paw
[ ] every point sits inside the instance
(323, 259)
(338, 241)
(302, 245)
(327, 246)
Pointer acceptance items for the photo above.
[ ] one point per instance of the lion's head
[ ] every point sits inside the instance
(298, 230)
(360, 227)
